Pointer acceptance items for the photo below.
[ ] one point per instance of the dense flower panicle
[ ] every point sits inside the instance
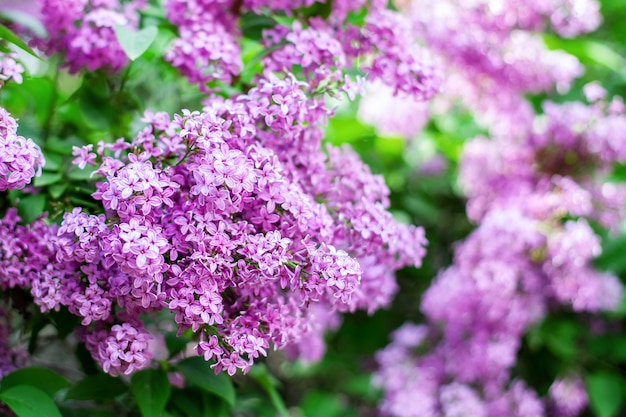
(122, 349)
(234, 220)
(400, 61)
(558, 167)
(459, 400)
(319, 52)
(207, 49)
(283, 5)
(83, 31)
(20, 158)
(314, 49)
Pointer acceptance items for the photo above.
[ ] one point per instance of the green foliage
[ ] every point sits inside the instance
(151, 390)
(198, 372)
(7, 34)
(42, 378)
(606, 393)
(135, 43)
(28, 401)
(98, 387)
(269, 384)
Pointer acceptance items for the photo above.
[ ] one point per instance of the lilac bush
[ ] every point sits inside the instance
(234, 218)
(209, 198)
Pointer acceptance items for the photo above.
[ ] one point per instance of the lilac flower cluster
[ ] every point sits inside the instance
(493, 54)
(234, 220)
(208, 50)
(531, 196)
(531, 189)
(10, 68)
(20, 158)
(83, 31)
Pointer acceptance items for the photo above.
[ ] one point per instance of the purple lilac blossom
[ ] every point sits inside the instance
(208, 47)
(20, 158)
(567, 397)
(235, 220)
(10, 68)
(83, 31)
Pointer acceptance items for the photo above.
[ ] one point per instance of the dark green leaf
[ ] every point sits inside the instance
(268, 383)
(193, 403)
(97, 111)
(252, 25)
(133, 43)
(9, 36)
(46, 380)
(97, 387)
(190, 405)
(27, 401)
(198, 372)
(175, 344)
(31, 207)
(605, 393)
(151, 389)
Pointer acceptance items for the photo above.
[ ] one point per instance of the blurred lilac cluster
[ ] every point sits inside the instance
(10, 68)
(493, 53)
(83, 31)
(533, 188)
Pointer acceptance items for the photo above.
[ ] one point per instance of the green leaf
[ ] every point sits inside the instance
(31, 207)
(133, 43)
(27, 401)
(175, 344)
(77, 174)
(605, 393)
(562, 337)
(97, 387)
(252, 25)
(53, 161)
(46, 380)
(198, 372)
(57, 190)
(151, 390)
(9, 36)
(342, 130)
(47, 178)
(267, 381)
(195, 403)
(321, 404)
